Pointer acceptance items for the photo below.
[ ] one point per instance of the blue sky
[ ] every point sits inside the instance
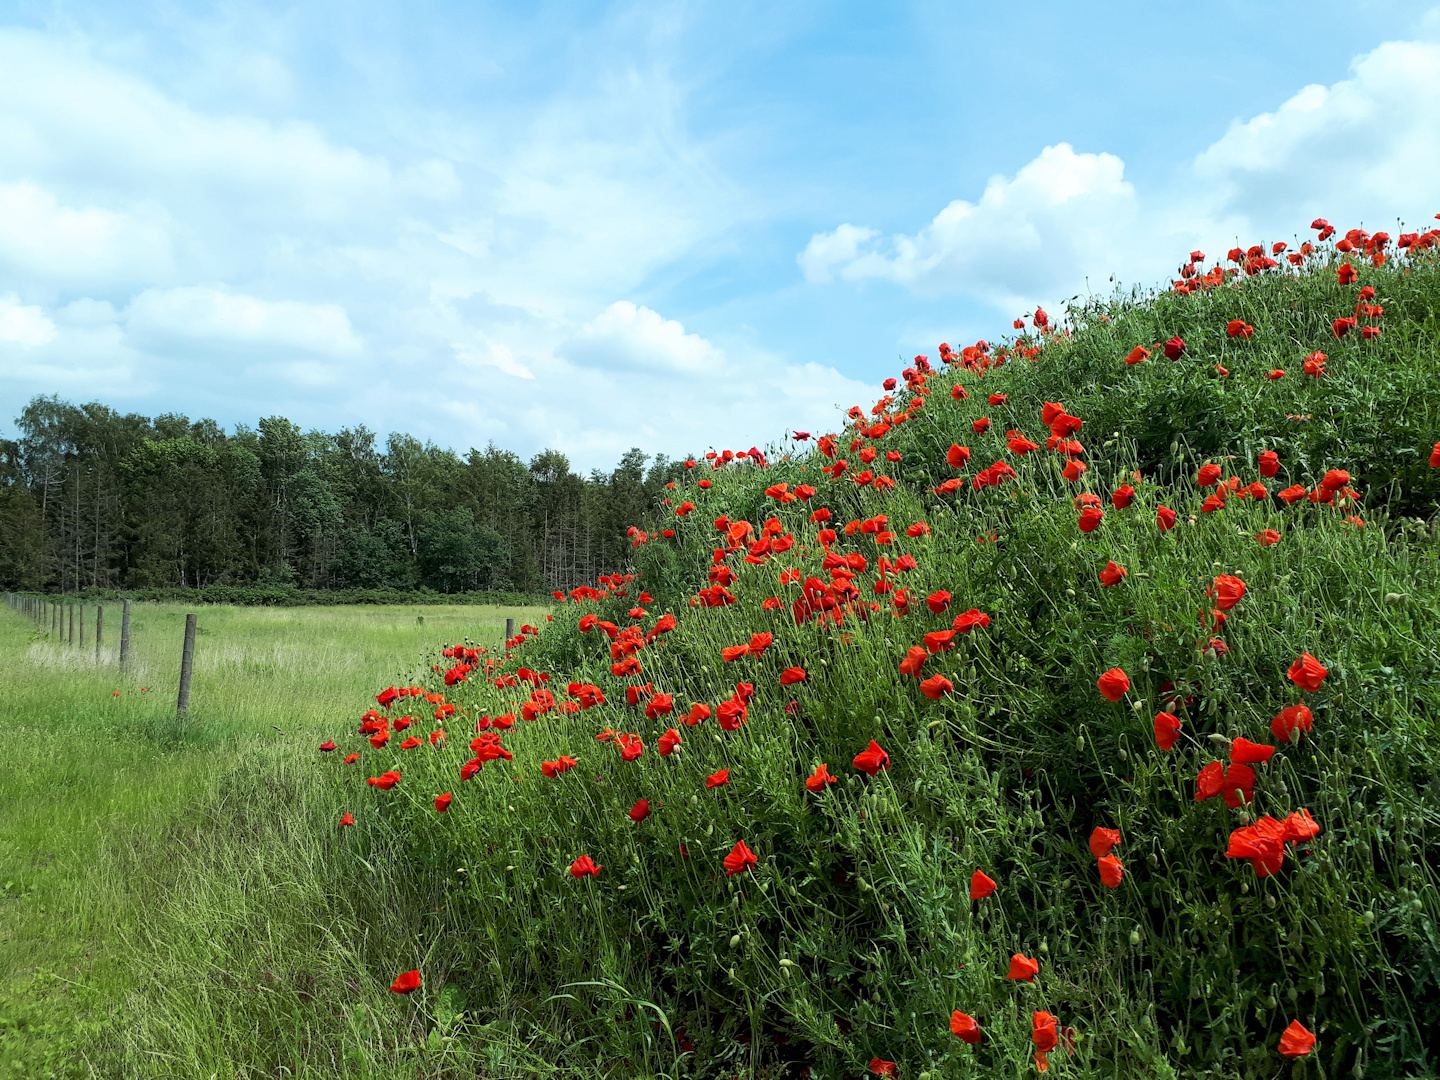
(592, 226)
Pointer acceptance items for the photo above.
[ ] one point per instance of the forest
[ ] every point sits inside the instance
(92, 498)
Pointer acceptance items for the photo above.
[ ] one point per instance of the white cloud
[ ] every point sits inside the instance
(191, 315)
(87, 245)
(1061, 211)
(24, 324)
(625, 337)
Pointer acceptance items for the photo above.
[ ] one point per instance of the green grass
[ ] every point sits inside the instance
(177, 901)
(854, 938)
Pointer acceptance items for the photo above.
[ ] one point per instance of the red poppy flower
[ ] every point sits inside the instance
(1022, 968)
(347, 819)
(914, 660)
(697, 713)
(1292, 494)
(1165, 518)
(968, 620)
(406, 983)
(1137, 355)
(1045, 1038)
(1102, 840)
(1346, 273)
(385, 781)
(740, 859)
(981, 885)
(965, 1027)
(1295, 1041)
(1073, 471)
(640, 811)
(1307, 672)
(1226, 591)
(1112, 573)
(938, 601)
(442, 802)
(1114, 684)
(1112, 871)
(1435, 457)
(981, 425)
(1122, 496)
(350, 759)
(1090, 518)
(564, 764)
(326, 747)
(817, 780)
(1174, 348)
(584, 865)
(732, 714)
(1290, 721)
(872, 759)
(1209, 781)
(1248, 753)
(1238, 785)
(668, 742)
(718, 779)
(1167, 730)
(936, 687)
(957, 456)
(411, 743)
(1239, 328)
(1208, 475)
(939, 641)
(1267, 537)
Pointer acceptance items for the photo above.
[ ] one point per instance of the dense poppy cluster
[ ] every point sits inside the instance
(829, 575)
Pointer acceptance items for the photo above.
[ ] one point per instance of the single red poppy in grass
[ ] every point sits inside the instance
(1114, 684)
(1102, 840)
(1174, 348)
(1307, 672)
(1208, 475)
(385, 781)
(1248, 753)
(1122, 496)
(1167, 730)
(1435, 457)
(584, 865)
(442, 802)
(1137, 355)
(957, 456)
(640, 811)
(1209, 781)
(817, 780)
(1292, 721)
(1022, 968)
(1073, 471)
(1165, 518)
(981, 885)
(1090, 518)
(412, 742)
(326, 747)
(1239, 328)
(697, 713)
(1292, 494)
(1267, 537)
(347, 819)
(560, 765)
(406, 983)
(938, 601)
(1112, 871)
(981, 425)
(1269, 463)
(968, 620)
(1112, 573)
(1045, 1038)
(939, 641)
(1295, 1041)
(350, 759)
(717, 779)
(936, 687)
(1346, 273)
(872, 759)
(914, 660)
(740, 859)
(669, 741)
(792, 675)
(1226, 591)
(1238, 785)
(881, 1067)
(964, 1027)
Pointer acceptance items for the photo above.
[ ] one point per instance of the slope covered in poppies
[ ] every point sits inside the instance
(1071, 707)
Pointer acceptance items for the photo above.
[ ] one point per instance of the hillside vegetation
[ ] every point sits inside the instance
(1177, 705)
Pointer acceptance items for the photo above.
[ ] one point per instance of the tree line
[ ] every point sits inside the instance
(94, 498)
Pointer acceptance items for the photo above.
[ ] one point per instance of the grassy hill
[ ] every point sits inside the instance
(842, 938)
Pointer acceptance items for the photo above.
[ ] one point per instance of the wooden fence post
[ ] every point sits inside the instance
(72, 622)
(187, 665)
(82, 626)
(509, 632)
(99, 629)
(125, 635)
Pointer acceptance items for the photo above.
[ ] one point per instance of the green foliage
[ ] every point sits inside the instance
(854, 936)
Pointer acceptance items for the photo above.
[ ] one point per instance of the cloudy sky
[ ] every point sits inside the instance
(591, 226)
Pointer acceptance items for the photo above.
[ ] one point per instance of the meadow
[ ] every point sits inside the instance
(175, 903)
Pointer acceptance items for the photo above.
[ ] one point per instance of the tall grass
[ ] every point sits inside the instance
(853, 938)
(177, 898)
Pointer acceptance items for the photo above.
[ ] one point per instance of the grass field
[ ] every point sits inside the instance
(177, 901)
